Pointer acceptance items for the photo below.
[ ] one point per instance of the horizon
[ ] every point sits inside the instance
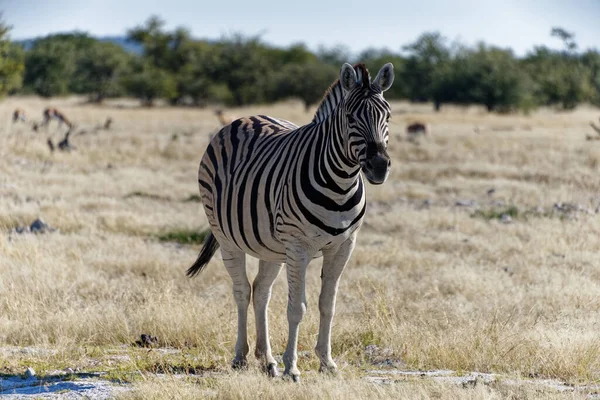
(464, 21)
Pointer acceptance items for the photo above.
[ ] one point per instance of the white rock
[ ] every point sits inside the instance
(30, 372)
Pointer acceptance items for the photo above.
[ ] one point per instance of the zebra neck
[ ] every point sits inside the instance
(334, 165)
(332, 98)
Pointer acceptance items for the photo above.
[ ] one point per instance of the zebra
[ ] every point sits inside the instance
(288, 194)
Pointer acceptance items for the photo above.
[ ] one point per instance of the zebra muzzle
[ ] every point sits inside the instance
(377, 168)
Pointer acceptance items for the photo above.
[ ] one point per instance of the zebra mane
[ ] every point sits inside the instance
(334, 94)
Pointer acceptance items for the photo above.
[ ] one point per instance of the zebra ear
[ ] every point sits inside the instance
(385, 77)
(348, 78)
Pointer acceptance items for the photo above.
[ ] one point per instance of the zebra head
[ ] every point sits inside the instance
(367, 114)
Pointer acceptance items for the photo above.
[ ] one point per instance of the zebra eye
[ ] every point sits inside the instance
(351, 119)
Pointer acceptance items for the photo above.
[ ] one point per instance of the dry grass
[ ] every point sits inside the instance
(433, 285)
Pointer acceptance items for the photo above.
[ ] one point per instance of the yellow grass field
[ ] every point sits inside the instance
(445, 275)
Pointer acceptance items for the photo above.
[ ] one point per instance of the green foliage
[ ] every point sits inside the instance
(99, 69)
(426, 56)
(11, 65)
(498, 213)
(305, 81)
(560, 79)
(50, 66)
(148, 83)
(238, 70)
(184, 236)
(486, 75)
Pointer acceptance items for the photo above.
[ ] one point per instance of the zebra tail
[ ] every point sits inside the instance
(210, 246)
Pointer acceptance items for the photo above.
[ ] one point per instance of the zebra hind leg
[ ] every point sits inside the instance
(235, 262)
(261, 294)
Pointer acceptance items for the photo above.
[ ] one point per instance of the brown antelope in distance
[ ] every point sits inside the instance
(19, 115)
(595, 128)
(53, 113)
(224, 119)
(416, 129)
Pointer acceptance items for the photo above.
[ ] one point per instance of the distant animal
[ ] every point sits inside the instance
(224, 119)
(594, 127)
(65, 144)
(19, 115)
(416, 129)
(53, 113)
(284, 193)
(108, 123)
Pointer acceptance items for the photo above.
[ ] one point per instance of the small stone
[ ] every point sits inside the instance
(506, 219)
(29, 372)
(466, 203)
(22, 229)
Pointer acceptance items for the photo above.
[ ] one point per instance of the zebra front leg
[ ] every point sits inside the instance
(297, 261)
(261, 294)
(235, 262)
(334, 262)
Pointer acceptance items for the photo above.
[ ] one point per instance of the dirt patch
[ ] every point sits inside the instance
(390, 376)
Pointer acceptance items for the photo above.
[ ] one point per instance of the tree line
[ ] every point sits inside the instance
(238, 70)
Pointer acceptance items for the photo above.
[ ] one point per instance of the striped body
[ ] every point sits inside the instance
(284, 193)
(261, 185)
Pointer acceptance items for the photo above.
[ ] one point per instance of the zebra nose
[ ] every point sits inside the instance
(378, 163)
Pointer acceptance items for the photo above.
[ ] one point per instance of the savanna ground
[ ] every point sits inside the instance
(445, 275)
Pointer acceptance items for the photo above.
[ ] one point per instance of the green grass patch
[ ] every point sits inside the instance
(193, 198)
(184, 236)
(145, 195)
(498, 213)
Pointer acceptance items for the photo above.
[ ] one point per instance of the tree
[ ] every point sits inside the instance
(560, 79)
(49, 67)
(99, 69)
(11, 62)
(307, 82)
(568, 38)
(244, 65)
(426, 56)
(148, 83)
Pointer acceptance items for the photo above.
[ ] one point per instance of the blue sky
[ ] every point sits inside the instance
(519, 24)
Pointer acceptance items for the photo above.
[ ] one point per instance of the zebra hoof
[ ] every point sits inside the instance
(239, 364)
(329, 369)
(272, 370)
(294, 377)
